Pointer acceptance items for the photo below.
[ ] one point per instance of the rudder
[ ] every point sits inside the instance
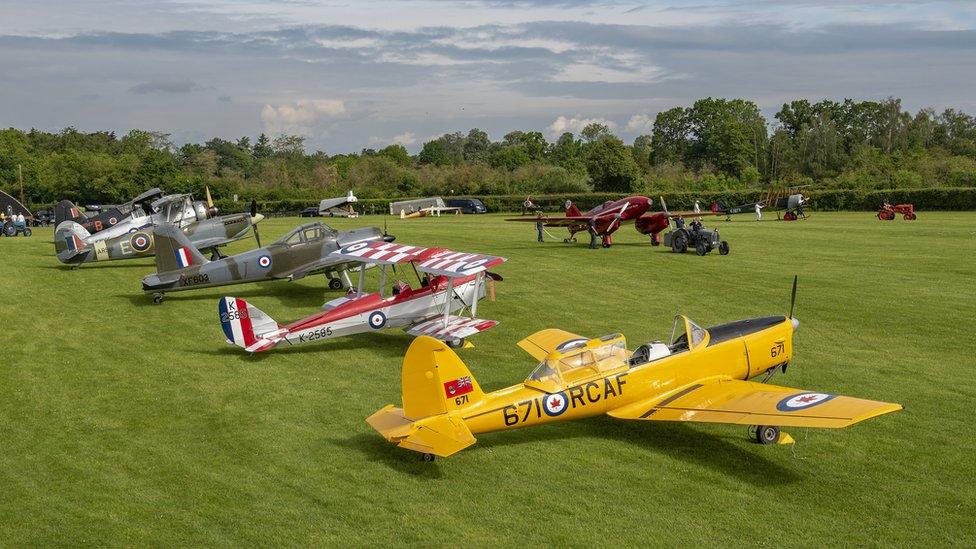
(174, 251)
(435, 380)
(572, 210)
(69, 241)
(244, 324)
(67, 211)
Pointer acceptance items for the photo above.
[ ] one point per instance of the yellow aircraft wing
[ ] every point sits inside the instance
(751, 403)
(543, 342)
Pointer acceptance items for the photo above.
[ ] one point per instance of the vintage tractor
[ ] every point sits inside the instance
(701, 239)
(887, 212)
(13, 228)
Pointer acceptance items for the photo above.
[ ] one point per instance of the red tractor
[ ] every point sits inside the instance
(887, 212)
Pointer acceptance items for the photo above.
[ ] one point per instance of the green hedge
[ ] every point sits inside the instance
(932, 198)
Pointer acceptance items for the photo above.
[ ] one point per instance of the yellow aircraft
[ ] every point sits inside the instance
(701, 376)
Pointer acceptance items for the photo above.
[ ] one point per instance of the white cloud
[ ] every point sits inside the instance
(575, 125)
(300, 116)
(640, 123)
(405, 138)
(590, 72)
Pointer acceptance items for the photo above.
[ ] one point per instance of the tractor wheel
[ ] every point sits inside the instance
(10, 230)
(909, 217)
(679, 243)
(723, 248)
(701, 247)
(27, 232)
(335, 284)
(767, 434)
(789, 216)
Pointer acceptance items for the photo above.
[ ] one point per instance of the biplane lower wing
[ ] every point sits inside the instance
(751, 403)
(457, 327)
(559, 221)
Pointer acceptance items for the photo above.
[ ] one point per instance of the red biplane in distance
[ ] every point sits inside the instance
(606, 218)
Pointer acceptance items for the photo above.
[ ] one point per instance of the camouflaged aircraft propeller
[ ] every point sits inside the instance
(135, 236)
(447, 282)
(303, 251)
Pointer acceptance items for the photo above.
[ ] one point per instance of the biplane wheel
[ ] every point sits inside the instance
(767, 434)
(455, 343)
(723, 248)
(157, 298)
(428, 457)
(335, 284)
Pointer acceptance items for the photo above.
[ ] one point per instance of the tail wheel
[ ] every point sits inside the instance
(335, 284)
(157, 298)
(767, 434)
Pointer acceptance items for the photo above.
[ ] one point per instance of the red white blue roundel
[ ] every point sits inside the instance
(802, 401)
(264, 261)
(475, 264)
(555, 404)
(140, 242)
(376, 320)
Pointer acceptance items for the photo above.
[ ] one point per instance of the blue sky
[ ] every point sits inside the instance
(350, 75)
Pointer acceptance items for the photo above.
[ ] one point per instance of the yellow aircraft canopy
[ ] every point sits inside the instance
(579, 360)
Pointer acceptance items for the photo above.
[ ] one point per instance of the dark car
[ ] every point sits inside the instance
(312, 211)
(467, 205)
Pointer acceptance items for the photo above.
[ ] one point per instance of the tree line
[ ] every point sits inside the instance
(713, 145)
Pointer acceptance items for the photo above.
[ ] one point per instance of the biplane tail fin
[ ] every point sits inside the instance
(69, 242)
(435, 382)
(247, 326)
(174, 251)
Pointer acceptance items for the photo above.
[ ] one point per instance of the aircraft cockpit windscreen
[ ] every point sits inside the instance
(306, 234)
(682, 329)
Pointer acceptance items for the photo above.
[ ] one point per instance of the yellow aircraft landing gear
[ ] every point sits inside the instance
(428, 457)
(768, 434)
(456, 343)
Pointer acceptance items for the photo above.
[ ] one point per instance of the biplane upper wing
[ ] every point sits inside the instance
(750, 403)
(543, 342)
(379, 252)
(456, 264)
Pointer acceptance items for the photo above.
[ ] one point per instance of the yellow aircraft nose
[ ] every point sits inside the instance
(796, 323)
(257, 218)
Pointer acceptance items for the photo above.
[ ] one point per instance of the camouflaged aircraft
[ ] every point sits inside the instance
(303, 251)
(108, 216)
(703, 375)
(135, 238)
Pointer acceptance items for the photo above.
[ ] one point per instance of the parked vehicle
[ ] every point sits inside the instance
(696, 236)
(887, 212)
(467, 205)
(311, 211)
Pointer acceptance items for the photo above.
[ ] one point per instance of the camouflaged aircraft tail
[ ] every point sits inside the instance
(67, 211)
(69, 242)
(174, 251)
(247, 326)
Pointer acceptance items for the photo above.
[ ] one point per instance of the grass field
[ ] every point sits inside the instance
(128, 423)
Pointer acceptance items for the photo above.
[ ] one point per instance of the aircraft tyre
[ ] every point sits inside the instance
(723, 248)
(767, 434)
(455, 343)
(428, 457)
(679, 244)
(335, 284)
(157, 298)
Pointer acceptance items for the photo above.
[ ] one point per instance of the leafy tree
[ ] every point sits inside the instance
(611, 166)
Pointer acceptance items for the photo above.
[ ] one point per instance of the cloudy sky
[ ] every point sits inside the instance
(350, 75)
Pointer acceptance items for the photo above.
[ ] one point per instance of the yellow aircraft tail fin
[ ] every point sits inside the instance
(435, 381)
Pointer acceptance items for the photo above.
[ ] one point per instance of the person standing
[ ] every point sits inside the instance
(697, 210)
(758, 211)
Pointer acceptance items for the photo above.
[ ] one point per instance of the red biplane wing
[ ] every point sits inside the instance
(436, 261)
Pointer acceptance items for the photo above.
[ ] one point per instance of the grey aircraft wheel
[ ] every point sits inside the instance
(335, 284)
(428, 457)
(767, 434)
(157, 298)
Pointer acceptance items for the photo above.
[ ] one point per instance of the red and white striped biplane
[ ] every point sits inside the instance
(448, 283)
